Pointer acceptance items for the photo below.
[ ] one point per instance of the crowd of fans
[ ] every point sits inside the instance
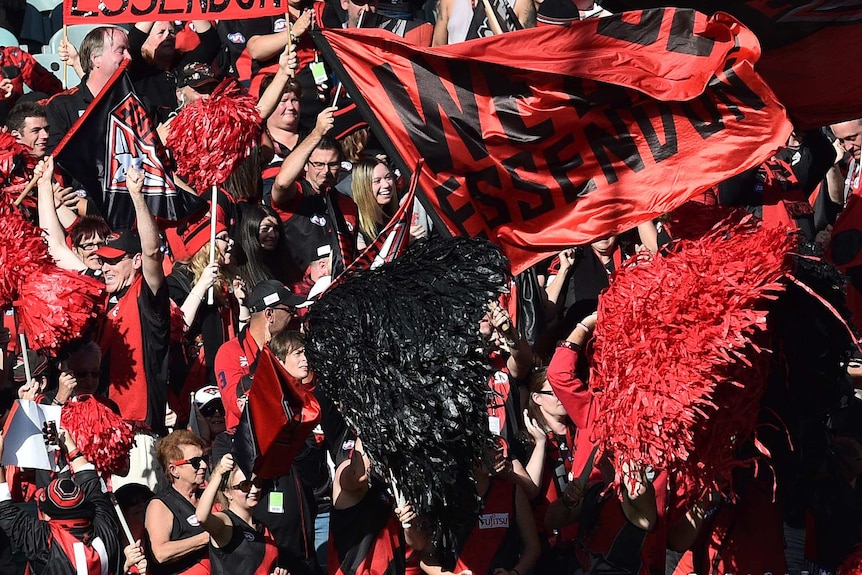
(175, 350)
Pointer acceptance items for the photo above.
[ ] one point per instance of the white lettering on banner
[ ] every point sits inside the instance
(494, 521)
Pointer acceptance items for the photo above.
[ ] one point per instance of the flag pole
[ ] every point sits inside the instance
(27, 373)
(123, 523)
(399, 497)
(340, 83)
(30, 185)
(66, 63)
(213, 211)
(491, 14)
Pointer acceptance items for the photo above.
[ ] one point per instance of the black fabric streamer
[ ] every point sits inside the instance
(399, 351)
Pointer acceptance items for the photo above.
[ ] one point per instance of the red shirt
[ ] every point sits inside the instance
(233, 361)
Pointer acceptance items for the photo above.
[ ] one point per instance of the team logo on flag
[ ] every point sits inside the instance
(130, 147)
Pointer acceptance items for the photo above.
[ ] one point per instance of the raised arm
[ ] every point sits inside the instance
(218, 525)
(50, 222)
(287, 64)
(284, 187)
(151, 243)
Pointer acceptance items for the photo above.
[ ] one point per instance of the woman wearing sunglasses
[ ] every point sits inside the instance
(239, 545)
(551, 431)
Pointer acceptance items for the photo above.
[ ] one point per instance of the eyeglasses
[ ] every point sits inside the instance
(288, 309)
(327, 165)
(246, 484)
(90, 246)
(223, 238)
(546, 392)
(196, 462)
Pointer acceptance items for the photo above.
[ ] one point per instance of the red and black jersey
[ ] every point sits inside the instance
(251, 72)
(135, 348)
(66, 547)
(313, 220)
(250, 551)
(559, 460)
(185, 524)
(366, 539)
(494, 542)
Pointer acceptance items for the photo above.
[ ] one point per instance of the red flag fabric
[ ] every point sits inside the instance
(810, 51)
(280, 414)
(545, 138)
(100, 12)
(114, 133)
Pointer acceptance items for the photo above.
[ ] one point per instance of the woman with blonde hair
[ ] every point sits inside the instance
(208, 325)
(375, 195)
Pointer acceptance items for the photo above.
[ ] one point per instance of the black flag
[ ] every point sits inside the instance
(114, 133)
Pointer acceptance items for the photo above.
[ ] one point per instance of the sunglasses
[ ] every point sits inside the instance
(195, 462)
(246, 484)
(212, 408)
(546, 392)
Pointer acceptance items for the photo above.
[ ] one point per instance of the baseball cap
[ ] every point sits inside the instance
(118, 245)
(207, 394)
(270, 293)
(196, 75)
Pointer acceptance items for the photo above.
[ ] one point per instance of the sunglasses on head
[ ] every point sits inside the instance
(246, 484)
(195, 462)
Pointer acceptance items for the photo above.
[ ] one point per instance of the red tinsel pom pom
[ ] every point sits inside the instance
(210, 137)
(55, 306)
(22, 253)
(677, 369)
(852, 565)
(103, 437)
(16, 166)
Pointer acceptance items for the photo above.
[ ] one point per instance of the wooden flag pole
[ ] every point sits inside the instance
(491, 14)
(213, 212)
(66, 63)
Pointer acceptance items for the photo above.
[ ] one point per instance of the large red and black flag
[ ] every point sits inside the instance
(810, 49)
(114, 133)
(550, 137)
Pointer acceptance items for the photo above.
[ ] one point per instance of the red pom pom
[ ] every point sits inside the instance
(677, 359)
(103, 437)
(56, 306)
(16, 166)
(22, 253)
(210, 137)
(852, 565)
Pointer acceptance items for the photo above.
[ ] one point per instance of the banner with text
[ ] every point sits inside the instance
(129, 11)
(596, 128)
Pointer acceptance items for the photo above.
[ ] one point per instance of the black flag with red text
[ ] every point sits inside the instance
(549, 137)
(113, 134)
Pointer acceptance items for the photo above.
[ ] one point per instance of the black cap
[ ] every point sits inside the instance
(118, 245)
(196, 75)
(270, 293)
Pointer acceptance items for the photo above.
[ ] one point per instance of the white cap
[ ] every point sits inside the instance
(206, 394)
